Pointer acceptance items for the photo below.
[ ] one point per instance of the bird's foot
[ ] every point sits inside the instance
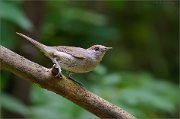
(69, 74)
(56, 71)
(79, 83)
(59, 75)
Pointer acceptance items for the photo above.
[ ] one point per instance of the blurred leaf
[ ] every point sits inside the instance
(100, 69)
(7, 36)
(38, 96)
(10, 103)
(14, 14)
(106, 33)
(43, 112)
(147, 99)
(112, 79)
(53, 106)
(85, 16)
(4, 78)
(138, 93)
(117, 5)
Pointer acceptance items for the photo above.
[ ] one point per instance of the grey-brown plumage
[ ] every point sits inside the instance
(74, 51)
(72, 59)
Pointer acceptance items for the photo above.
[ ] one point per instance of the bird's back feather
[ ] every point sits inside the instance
(74, 51)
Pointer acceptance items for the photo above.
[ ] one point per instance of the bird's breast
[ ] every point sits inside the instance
(73, 64)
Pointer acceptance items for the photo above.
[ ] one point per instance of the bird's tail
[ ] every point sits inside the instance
(41, 46)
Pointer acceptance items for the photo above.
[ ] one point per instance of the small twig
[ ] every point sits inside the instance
(42, 76)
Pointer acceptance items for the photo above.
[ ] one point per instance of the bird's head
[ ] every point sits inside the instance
(98, 51)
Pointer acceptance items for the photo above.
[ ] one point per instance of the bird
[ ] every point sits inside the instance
(70, 58)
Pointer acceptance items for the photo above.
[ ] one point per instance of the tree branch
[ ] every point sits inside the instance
(42, 76)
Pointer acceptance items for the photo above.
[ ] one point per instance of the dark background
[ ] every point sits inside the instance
(140, 74)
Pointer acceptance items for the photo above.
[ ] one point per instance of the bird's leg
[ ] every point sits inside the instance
(57, 66)
(69, 74)
(80, 84)
(69, 77)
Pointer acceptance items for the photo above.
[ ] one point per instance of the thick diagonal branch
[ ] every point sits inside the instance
(42, 76)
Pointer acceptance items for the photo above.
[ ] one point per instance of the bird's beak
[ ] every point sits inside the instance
(108, 48)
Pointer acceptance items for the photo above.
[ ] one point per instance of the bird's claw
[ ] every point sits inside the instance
(59, 75)
(56, 71)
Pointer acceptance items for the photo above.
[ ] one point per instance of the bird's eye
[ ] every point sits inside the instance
(96, 48)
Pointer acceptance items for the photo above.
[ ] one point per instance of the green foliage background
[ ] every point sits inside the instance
(140, 74)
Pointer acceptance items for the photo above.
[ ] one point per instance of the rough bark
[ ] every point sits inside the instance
(42, 76)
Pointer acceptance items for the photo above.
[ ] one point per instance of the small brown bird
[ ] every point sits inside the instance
(72, 59)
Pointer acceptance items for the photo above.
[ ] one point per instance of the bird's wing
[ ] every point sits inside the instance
(74, 51)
